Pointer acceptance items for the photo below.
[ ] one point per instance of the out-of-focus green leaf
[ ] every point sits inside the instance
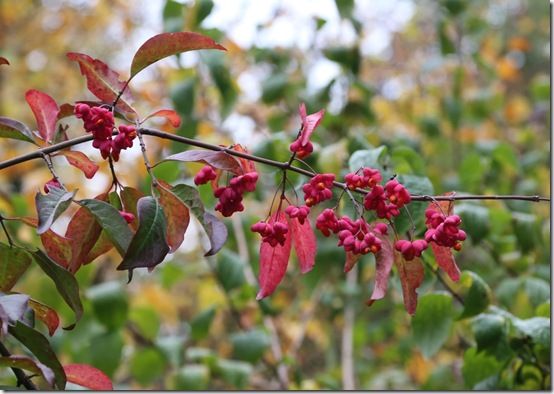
(236, 373)
(274, 88)
(200, 325)
(223, 80)
(373, 158)
(489, 330)
(230, 270)
(147, 365)
(526, 228)
(478, 367)
(172, 16)
(192, 377)
(249, 346)
(477, 294)
(106, 352)
(109, 302)
(432, 322)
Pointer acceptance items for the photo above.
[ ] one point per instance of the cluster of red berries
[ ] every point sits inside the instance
(410, 249)
(318, 189)
(354, 235)
(272, 233)
(230, 197)
(100, 122)
(368, 178)
(444, 230)
(300, 213)
(387, 201)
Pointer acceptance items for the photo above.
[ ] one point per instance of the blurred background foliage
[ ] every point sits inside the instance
(451, 94)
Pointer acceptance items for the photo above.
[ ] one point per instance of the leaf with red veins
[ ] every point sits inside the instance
(411, 275)
(81, 161)
(88, 376)
(102, 81)
(46, 314)
(443, 255)
(46, 112)
(219, 159)
(384, 260)
(5, 61)
(305, 244)
(167, 44)
(177, 214)
(273, 261)
(169, 114)
(351, 260)
(309, 123)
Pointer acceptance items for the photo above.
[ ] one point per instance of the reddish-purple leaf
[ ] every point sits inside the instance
(305, 244)
(81, 161)
(177, 214)
(46, 112)
(46, 314)
(28, 364)
(216, 232)
(87, 376)
(383, 265)
(411, 275)
(172, 116)
(102, 81)
(103, 245)
(219, 160)
(167, 44)
(273, 261)
(66, 110)
(443, 255)
(3, 60)
(351, 260)
(14, 129)
(309, 123)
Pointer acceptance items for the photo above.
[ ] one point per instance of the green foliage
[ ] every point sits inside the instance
(432, 322)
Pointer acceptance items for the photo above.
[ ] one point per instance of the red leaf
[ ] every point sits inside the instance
(219, 160)
(66, 110)
(411, 275)
(84, 231)
(305, 244)
(273, 261)
(81, 161)
(383, 265)
(46, 314)
(102, 245)
(169, 114)
(87, 376)
(351, 260)
(57, 247)
(167, 44)
(3, 60)
(309, 123)
(177, 214)
(443, 255)
(46, 112)
(102, 81)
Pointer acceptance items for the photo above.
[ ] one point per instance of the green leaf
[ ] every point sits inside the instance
(50, 206)
(13, 264)
(475, 220)
(432, 322)
(349, 58)
(192, 377)
(147, 321)
(536, 328)
(109, 302)
(65, 283)
(13, 129)
(527, 231)
(106, 352)
(147, 365)
(472, 172)
(274, 87)
(478, 294)
(446, 44)
(230, 270)
(222, 79)
(489, 330)
(345, 8)
(236, 373)
(149, 246)
(173, 16)
(200, 325)
(111, 222)
(250, 346)
(182, 95)
(373, 158)
(39, 346)
(203, 9)
(478, 367)
(418, 185)
(29, 364)
(167, 44)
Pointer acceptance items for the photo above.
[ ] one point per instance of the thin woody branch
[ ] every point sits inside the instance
(273, 163)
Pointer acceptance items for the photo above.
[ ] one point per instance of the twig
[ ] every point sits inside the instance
(145, 157)
(347, 345)
(22, 378)
(10, 241)
(282, 165)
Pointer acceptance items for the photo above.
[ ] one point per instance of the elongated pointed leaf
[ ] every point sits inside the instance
(65, 283)
(46, 314)
(149, 246)
(215, 229)
(177, 214)
(13, 264)
(84, 231)
(167, 44)
(432, 322)
(102, 81)
(57, 247)
(273, 261)
(28, 364)
(383, 265)
(50, 206)
(40, 347)
(351, 260)
(13, 129)
(171, 115)
(46, 112)
(411, 275)
(81, 161)
(304, 243)
(111, 222)
(219, 160)
(129, 198)
(87, 376)
(103, 245)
